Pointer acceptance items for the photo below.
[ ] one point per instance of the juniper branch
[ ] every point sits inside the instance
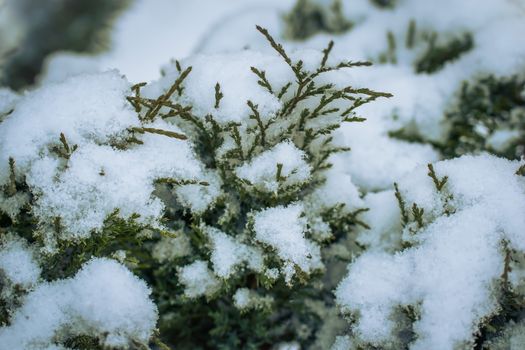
(159, 102)
(178, 182)
(278, 176)
(417, 212)
(263, 81)
(326, 53)
(411, 34)
(437, 182)
(66, 150)
(402, 205)
(218, 95)
(257, 117)
(11, 186)
(283, 91)
(168, 133)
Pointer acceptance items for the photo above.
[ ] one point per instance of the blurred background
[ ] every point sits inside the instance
(137, 36)
(456, 68)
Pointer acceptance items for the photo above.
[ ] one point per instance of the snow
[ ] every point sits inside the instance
(420, 100)
(383, 218)
(245, 299)
(447, 268)
(502, 138)
(103, 300)
(166, 35)
(377, 165)
(283, 229)
(261, 171)
(11, 205)
(98, 178)
(98, 114)
(237, 83)
(228, 254)
(198, 280)
(338, 188)
(342, 343)
(8, 99)
(455, 257)
(17, 262)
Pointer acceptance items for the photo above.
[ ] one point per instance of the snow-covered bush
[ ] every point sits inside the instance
(262, 191)
(461, 224)
(234, 160)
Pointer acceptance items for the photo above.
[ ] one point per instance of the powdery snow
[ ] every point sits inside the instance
(283, 229)
(450, 273)
(103, 300)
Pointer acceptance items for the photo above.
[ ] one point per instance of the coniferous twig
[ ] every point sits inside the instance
(257, 117)
(402, 205)
(159, 102)
(411, 34)
(326, 53)
(437, 182)
(11, 186)
(178, 182)
(263, 81)
(417, 212)
(168, 133)
(218, 95)
(65, 150)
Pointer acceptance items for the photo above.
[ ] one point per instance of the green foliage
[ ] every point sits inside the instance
(64, 150)
(386, 4)
(390, 55)
(62, 25)
(437, 55)
(223, 324)
(117, 235)
(412, 216)
(308, 18)
(439, 183)
(216, 322)
(512, 304)
(484, 107)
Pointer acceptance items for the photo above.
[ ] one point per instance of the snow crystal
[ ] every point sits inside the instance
(283, 228)
(198, 280)
(103, 299)
(456, 257)
(261, 171)
(227, 254)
